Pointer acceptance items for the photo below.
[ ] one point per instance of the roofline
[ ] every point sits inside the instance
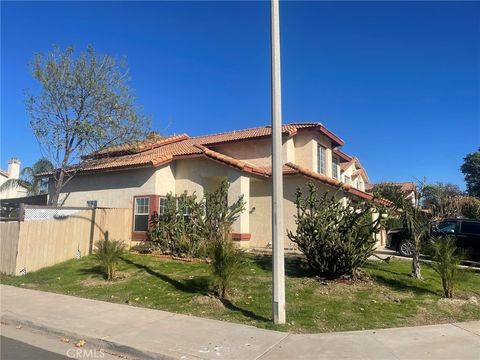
(342, 155)
(337, 184)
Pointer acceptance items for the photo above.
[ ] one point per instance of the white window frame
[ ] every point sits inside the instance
(348, 180)
(160, 207)
(136, 213)
(335, 170)
(322, 160)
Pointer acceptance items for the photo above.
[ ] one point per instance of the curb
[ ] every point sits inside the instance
(99, 343)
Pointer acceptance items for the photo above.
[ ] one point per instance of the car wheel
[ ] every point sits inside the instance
(406, 248)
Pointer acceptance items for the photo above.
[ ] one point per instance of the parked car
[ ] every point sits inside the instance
(466, 232)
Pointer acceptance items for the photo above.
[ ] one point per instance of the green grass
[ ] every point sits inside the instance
(391, 298)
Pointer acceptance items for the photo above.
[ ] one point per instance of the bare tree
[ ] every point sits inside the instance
(84, 105)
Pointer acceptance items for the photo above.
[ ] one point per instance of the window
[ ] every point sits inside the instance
(360, 185)
(321, 157)
(162, 205)
(471, 227)
(447, 227)
(142, 205)
(335, 168)
(92, 203)
(347, 180)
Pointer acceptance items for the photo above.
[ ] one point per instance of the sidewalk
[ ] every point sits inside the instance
(145, 333)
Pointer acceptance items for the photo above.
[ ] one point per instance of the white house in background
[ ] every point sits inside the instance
(12, 173)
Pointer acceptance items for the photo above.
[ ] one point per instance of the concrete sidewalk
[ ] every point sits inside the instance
(145, 333)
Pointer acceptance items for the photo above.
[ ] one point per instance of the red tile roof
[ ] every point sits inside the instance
(4, 173)
(341, 154)
(337, 184)
(158, 151)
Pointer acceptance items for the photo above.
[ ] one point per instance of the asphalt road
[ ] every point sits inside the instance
(15, 350)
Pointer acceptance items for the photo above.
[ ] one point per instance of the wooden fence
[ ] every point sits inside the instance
(31, 245)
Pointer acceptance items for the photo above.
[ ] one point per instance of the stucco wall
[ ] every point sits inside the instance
(257, 152)
(306, 145)
(110, 189)
(261, 217)
(193, 175)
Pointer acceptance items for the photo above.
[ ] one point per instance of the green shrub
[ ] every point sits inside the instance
(226, 262)
(108, 253)
(445, 260)
(336, 239)
(175, 231)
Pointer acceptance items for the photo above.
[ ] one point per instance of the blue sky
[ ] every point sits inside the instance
(399, 82)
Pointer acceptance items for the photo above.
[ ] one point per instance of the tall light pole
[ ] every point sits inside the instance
(277, 173)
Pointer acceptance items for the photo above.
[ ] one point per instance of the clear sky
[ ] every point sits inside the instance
(399, 82)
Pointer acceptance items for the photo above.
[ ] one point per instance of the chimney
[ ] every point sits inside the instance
(13, 168)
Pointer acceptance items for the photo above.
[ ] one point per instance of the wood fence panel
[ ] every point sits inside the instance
(116, 222)
(48, 242)
(9, 232)
(43, 243)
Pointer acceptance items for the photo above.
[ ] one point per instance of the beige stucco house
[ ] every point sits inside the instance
(139, 175)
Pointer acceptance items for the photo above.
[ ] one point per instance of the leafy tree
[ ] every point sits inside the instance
(445, 260)
(471, 170)
(34, 185)
(390, 192)
(471, 207)
(335, 239)
(433, 194)
(84, 105)
(108, 253)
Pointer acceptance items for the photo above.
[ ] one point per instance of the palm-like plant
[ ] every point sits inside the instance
(34, 185)
(108, 253)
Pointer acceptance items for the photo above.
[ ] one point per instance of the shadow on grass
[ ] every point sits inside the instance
(404, 285)
(190, 286)
(295, 266)
(95, 270)
(247, 313)
(197, 285)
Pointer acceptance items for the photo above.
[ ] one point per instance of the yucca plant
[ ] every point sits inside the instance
(445, 260)
(108, 253)
(226, 262)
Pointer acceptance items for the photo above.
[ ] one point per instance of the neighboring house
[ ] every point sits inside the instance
(138, 176)
(12, 173)
(409, 189)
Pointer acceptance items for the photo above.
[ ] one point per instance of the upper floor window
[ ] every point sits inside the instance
(140, 221)
(347, 180)
(335, 168)
(322, 160)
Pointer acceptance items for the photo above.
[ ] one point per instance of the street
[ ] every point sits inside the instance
(22, 343)
(15, 350)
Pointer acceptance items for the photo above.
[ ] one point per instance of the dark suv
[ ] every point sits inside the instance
(466, 232)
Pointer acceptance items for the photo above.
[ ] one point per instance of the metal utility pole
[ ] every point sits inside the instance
(277, 173)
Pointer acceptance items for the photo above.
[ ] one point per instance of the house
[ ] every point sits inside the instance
(13, 173)
(139, 175)
(409, 189)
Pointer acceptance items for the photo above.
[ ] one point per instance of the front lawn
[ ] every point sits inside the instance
(391, 298)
